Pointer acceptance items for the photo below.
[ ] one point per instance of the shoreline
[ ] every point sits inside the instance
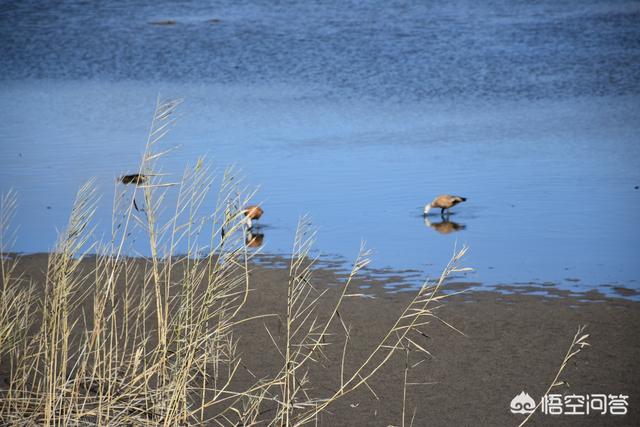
(407, 280)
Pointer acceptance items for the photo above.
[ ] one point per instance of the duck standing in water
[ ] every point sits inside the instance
(444, 202)
(137, 179)
(253, 213)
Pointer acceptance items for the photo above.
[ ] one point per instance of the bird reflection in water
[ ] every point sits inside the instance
(254, 239)
(445, 226)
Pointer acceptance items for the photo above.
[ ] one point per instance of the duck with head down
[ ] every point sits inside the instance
(444, 202)
(252, 213)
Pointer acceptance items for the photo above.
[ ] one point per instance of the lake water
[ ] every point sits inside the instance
(355, 112)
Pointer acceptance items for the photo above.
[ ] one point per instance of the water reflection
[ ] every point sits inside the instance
(445, 226)
(254, 239)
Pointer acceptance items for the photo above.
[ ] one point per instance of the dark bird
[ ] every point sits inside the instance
(444, 202)
(164, 22)
(253, 213)
(135, 178)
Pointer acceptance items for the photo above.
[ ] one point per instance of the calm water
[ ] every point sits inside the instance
(356, 112)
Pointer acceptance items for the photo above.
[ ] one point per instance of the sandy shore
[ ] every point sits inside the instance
(511, 343)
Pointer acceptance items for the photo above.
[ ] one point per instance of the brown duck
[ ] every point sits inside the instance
(444, 202)
(253, 213)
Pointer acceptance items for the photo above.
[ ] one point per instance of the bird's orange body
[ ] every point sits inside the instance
(253, 212)
(444, 202)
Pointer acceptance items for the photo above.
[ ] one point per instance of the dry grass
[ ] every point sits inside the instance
(578, 343)
(152, 343)
(16, 296)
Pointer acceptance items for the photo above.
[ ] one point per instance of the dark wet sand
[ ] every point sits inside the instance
(512, 343)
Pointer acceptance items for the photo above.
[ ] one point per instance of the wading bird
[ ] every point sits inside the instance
(444, 202)
(253, 213)
(135, 178)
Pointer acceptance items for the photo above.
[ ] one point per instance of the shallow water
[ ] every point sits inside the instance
(356, 113)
